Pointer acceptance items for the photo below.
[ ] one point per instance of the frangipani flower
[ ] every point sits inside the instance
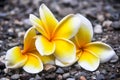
(54, 38)
(28, 58)
(90, 54)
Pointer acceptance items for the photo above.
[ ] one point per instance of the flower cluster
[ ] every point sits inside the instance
(60, 42)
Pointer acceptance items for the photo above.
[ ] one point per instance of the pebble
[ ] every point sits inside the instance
(4, 78)
(37, 77)
(97, 72)
(15, 76)
(115, 16)
(66, 11)
(21, 34)
(77, 66)
(98, 29)
(25, 76)
(100, 17)
(13, 44)
(49, 68)
(113, 76)
(82, 78)
(107, 23)
(50, 76)
(59, 77)
(32, 79)
(70, 79)
(116, 25)
(103, 71)
(93, 77)
(60, 71)
(24, 2)
(65, 75)
(100, 77)
(26, 21)
(2, 15)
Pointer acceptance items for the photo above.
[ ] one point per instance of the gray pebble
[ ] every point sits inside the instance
(100, 77)
(70, 79)
(116, 25)
(32, 79)
(37, 77)
(4, 78)
(77, 66)
(15, 76)
(65, 75)
(2, 15)
(103, 71)
(60, 71)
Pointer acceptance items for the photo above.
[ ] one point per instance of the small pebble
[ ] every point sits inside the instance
(77, 66)
(103, 71)
(59, 77)
(100, 17)
(2, 65)
(70, 79)
(116, 25)
(2, 15)
(50, 76)
(98, 29)
(21, 34)
(60, 71)
(49, 68)
(37, 77)
(32, 79)
(107, 23)
(4, 78)
(65, 75)
(15, 76)
(100, 77)
(93, 77)
(82, 78)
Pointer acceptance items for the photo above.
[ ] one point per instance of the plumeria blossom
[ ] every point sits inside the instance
(54, 38)
(28, 58)
(90, 54)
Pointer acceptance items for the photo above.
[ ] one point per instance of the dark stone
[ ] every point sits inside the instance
(2, 65)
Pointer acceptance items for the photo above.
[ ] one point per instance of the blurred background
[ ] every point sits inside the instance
(103, 14)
